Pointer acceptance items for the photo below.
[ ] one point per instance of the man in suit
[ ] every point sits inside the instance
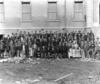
(27, 50)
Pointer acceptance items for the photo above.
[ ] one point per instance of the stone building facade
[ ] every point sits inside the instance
(49, 15)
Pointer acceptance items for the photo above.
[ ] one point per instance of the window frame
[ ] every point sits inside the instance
(26, 12)
(3, 12)
(78, 20)
(50, 20)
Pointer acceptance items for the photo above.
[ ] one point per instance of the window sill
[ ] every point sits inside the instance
(26, 20)
(52, 20)
(78, 20)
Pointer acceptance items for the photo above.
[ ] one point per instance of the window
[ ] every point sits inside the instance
(1, 11)
(78, 10)
(26, 11)
(52, 10)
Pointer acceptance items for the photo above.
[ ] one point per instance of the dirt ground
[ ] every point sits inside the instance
(49, 70)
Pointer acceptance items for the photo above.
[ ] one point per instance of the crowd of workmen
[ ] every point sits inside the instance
(50, 45)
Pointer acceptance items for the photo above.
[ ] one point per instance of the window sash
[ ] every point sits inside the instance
(26, 16)
(78, 16)
(78, 10)
(26, 11)
(52, 7)
(26, 8)
(52, 10)
(52, 16)
(78, 7)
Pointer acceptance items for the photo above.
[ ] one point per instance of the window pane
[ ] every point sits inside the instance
(78, 7)
(26, 16)
(76, 16)
(52, 7)
(1, 17)
(52, 16)
(1, 6)
(81, 7)
(80, 16)
(78, 10)
(25, 7)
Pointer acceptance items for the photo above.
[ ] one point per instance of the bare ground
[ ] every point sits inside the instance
(48, 70)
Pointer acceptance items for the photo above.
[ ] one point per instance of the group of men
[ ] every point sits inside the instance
(46, 44)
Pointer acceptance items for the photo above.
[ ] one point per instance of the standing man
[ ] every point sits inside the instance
(27, 50)
(67, 50)
(97, 49)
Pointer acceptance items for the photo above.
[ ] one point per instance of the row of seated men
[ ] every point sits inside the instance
(46, 45)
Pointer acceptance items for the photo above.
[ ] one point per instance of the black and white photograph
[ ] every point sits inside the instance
(49, 41)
